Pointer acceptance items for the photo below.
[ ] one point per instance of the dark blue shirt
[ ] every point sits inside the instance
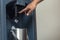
(20, 2)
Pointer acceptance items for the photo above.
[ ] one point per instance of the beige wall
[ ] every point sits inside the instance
(48, 20)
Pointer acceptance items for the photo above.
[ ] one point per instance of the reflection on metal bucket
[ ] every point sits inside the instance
(19, 33)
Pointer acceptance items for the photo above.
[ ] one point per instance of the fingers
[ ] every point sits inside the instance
(24, 10)
(27, 11)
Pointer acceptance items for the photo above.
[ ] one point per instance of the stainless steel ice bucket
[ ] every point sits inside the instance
(19, 33)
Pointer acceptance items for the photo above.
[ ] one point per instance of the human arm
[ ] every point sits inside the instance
(30, 7)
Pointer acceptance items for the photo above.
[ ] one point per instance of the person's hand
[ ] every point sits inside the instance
(29, 8)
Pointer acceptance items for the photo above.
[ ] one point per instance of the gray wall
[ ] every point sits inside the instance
(0, 12)
(48, 20)
(2, 20)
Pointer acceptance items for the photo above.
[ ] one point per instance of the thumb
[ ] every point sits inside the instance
(29, 12)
